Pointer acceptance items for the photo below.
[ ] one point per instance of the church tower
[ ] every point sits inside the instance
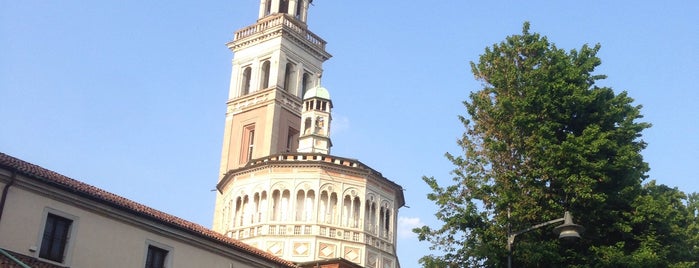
(276, 60)
(280, 189)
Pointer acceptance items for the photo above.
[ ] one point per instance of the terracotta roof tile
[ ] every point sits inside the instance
(97, 194)
(6, 262)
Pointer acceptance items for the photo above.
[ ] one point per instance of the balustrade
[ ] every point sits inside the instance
(280, 21)
(383, 241)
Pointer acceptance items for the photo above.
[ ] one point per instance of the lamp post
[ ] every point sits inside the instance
(568, 231)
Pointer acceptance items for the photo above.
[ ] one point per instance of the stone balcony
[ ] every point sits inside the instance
(278, 23)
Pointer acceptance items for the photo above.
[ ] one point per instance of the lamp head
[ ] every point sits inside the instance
(568, 231)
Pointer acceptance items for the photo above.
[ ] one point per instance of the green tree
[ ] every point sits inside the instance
(664, 229)
(541, 138)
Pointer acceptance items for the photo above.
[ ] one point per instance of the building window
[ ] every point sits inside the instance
(251, 143)
(305, 83)
(248, 143)
(55, 238)
(298, 9)
(156, 257)
(247, 76)
(289, 75)
(265, 75)
(292, 140)
(284, 6)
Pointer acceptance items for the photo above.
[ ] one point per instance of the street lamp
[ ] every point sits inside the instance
(568, 231)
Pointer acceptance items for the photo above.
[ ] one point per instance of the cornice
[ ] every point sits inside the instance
(279, 26)
(311, 160)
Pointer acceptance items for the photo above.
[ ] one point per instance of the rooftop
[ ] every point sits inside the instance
(98, 195)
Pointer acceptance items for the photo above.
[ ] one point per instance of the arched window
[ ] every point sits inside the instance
(299, 205)
(385, 220)
(305, 83)
(323, 207)
(310, 201)
(276, 205)
(304, 205)
(247, 76)
(262, 208)
(256, 207)
(238, 216)
(356, 206)
(346, 210)
(289, 75)
(307, 126)
(264, 75)
(350, 211)
(387, 223)
(286, 195)
(245, 209)
(332, 215)
(327, 207)
(370, 217)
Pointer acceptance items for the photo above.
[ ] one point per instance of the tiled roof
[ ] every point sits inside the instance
(6, 262)
(99, 195)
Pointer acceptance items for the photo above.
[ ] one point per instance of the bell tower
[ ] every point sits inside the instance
(280, 190)
(276, 60)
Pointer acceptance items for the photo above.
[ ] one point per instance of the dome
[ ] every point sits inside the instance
(317, 92)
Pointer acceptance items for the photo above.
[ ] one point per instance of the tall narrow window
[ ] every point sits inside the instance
(356, 206)
(156, 257)
(264, 77)
(299, 5)
(276, 205)
(323, 216)
(245, 211)
(382, 219)
(55, 238)
(286, 197)
(238, 216)
(305, 83)
(283, 6)
(333, 208)
(307, 126)
(268, 7)
(387, 223)
(256, 208)
(247, 76)
(291, 140)
(300, 196)
(262, 215)
(248, 143)
(251, 143)
(289, 75)
(310, 202)
(346, 210)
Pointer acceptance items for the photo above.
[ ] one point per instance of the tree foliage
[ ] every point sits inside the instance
(542, 138)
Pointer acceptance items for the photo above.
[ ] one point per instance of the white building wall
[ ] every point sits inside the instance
(102, 236)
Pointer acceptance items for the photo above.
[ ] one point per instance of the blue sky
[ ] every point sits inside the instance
(130, 96)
